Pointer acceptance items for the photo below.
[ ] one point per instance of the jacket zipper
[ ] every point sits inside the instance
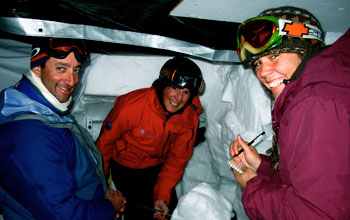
(188, 142)
(167, 139)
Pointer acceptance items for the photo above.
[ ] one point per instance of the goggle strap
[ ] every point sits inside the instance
(300, 30)
(201, 88)
(68, 48)
(38, 57)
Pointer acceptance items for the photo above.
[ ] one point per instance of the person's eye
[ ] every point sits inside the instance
(256, 64)
(174, 87)
(60, 69)
(188, 93)
(273, 56)
(77, 70)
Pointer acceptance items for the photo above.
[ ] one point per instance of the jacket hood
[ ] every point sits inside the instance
(330, 67)
(335, 59)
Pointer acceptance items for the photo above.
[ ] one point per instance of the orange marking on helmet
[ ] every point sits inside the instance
(296, 29)
(172, 77)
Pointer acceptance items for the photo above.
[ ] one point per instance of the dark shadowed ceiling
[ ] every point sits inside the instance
(149, 17)
(201, 28)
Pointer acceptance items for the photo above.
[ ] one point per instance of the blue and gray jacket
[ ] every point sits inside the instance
(50, 167)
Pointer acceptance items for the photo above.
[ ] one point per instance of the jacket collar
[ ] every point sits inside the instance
(24, 99)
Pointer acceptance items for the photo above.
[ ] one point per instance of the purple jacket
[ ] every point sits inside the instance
(312, 120)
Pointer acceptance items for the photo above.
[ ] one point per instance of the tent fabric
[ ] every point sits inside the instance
(145, 24)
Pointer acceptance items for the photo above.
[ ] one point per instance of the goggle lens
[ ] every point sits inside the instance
(185, 81)
(192, 83)
(60, 48)
(256, 35)
(258, 32)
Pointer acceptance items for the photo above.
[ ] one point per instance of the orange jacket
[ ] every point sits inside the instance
(136, 134)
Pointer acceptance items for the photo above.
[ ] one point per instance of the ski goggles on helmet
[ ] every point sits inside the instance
(61, 47)
(260, 34)
(195, 84)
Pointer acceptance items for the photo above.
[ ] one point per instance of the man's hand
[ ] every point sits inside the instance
(117, 199)
(163, 210)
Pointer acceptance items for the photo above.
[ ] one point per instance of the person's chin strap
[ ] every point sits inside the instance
(286, 81)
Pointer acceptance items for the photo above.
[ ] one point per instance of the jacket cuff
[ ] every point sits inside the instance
(265, 167)
(159, 196)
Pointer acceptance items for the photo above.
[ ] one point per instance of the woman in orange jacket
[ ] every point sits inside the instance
(148, 138)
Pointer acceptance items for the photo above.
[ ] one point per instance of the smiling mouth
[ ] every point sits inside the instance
(64, 89)
(276, 83)
(173, 103)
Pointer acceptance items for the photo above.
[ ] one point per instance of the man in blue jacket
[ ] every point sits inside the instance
(49, 166)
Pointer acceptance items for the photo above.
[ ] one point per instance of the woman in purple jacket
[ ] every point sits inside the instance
(310, 85)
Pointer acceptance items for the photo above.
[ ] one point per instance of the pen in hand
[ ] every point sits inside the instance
(250, 143)
(148, 208)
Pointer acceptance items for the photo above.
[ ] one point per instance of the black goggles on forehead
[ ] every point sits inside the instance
(60, 48)
(194, 84)
(260, 34)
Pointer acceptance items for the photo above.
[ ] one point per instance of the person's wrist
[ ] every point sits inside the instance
(256, 165)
